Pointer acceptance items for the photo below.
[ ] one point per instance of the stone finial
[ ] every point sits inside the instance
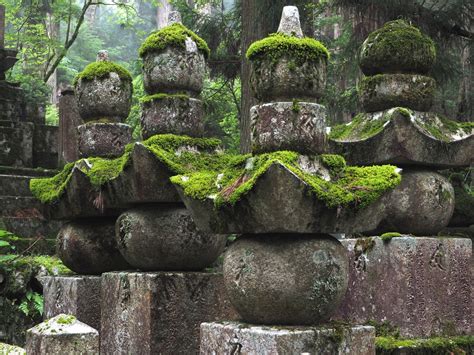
(174, 17)
(290, 22)
(103, 56)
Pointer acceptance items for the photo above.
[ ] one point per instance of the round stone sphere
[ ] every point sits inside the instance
(384, 91)
(286, 78)
(290, 279)
(174, 70)
(108, 97)
(165, 238)
(397, 47)
(89, 247)
(422, 204)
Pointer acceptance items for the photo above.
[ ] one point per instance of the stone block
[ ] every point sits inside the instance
(159, 313)
(421, 285)
(69, 120)
(240, 338)
(103, 139)
(14, 185)
(75, 295)
(179, 115)
(63, 334)
(16, 143)
(45, 141)
(296, 126)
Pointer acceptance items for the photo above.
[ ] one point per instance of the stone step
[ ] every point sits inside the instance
(30, 227)
(30, 246)
(15, 185)
(32, 172)
(20, 207)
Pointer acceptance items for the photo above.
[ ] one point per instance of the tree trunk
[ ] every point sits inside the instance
(162, 12)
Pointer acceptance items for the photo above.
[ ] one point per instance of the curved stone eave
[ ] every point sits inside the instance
(280, 202)
(404, 142)
(145, 179)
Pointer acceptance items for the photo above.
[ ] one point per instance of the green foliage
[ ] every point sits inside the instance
(32, 303)
(133, 118)
(174, 35)
(398, 45)
(52, 115)
(386, 237)
(385, 329)
(102, 69)
(278, 45)
(436, 345)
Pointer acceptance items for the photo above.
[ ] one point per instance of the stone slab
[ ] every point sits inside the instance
(421, 285)
(16, 143)
(75, 295)
(45, 152)
(160, 312)
(14, 185)
(240, 338)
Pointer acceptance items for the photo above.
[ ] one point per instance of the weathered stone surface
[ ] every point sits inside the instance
(296, 126)
(280, 202)
(89, 247)
(240, 338)
(165, 238)
(175, 115)
(75, 295)
(103, 139)
(385, 91)
(69, 120)
(109, 97)
(406, 139)
(159, 313)
(174, 70)
(11, 102)
(144, 180)
(422, 204)
(286, 279)
(16, 143)
(15, 185)
(11, 349)
(420, 285)
(290, 22)
(288, 78)
(63, 334)
(45, 152)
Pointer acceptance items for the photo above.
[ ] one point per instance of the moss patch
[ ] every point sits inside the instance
(386, 237)
(278, 45)
(47, 189)
(442, 128)
(101, 70)
(66, 319)
(174, 35)
(11, 349)
(161, 96)
(363, 126)
(354, 187)
(395, 47)
(437, 345)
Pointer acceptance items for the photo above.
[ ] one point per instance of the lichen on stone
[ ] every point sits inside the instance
(278, 45)
(65, 319)
(435, 345)
(101, 70)
(163, 96)
(174, 35)
(363, 126)
(397, 47)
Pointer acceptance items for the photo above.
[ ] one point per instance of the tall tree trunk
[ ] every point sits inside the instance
(162, 12)
(466, 89)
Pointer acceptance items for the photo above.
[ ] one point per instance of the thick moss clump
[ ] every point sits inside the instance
(101, 170)
(354, 187)
(363, 126)
(437, 345)
(101, 70)
(174, 35)
(161, 96)
(278, 45)
(397, 47)
(386, 237)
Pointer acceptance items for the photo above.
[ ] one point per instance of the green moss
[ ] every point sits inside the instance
(51, 264)
(46, 189)
(385, 329)
(435, 345)
(296, 108)
(162, 96)
(102, 70)
(443, 128)
(174, 35)
(66, 319)
(278, 45)
(335, 163)
(363, 126)
(398, 45)
(355, 186)
(386, 237)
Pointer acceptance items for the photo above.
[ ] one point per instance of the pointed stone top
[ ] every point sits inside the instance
(174, 17)
(62, 324)
(290, 22)
(103, 56)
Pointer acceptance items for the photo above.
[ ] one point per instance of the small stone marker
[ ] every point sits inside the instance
(102, 56)
(174, 17)
(290, 22)
(63, 334)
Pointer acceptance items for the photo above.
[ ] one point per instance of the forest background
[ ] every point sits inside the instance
(56, 39)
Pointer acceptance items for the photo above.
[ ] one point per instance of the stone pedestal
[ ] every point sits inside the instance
(296, 126)
(69, 119)
(159, 312)
(75, 295)
(420, 285)
(103, 139)
(63, 334)
(240, 338)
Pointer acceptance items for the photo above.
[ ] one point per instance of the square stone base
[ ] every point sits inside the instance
(240, 338)
(159, 312)
(421, 285)
(75, 295)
